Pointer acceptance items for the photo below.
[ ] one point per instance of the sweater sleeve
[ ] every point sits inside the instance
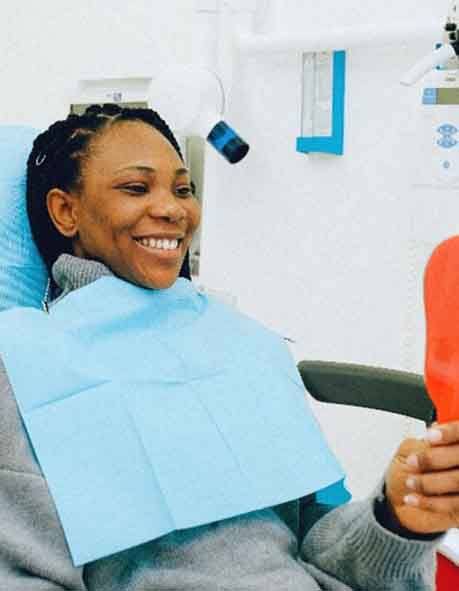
(348, 544)
(33, 551)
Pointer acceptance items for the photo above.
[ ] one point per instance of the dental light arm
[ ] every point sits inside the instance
(438, 58)
(449, 50)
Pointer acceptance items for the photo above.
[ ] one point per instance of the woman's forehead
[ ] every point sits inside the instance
(132, 144)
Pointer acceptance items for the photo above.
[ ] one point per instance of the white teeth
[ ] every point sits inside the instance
(163, 244)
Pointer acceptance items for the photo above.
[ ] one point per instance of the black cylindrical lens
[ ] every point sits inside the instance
(226, 141)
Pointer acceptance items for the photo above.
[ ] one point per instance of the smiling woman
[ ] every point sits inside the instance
(111, 186)
(133, 191)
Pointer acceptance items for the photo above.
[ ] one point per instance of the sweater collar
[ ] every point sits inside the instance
(70, 272)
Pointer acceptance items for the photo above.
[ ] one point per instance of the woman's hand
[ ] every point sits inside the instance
(422, 483)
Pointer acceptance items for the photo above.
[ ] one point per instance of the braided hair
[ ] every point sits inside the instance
(56, 162)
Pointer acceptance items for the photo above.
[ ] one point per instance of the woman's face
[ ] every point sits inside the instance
(135, 211)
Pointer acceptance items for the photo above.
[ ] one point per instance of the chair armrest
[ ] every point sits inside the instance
(370, 387)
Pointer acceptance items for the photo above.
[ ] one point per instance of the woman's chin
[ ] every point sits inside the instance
(157, 281)
(150, 276)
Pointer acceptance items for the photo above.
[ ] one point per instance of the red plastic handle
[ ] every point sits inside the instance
(441, 301)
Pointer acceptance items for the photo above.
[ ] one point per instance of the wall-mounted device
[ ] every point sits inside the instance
(445, 55)
(437, 126)
(322, 93)
(437, 132)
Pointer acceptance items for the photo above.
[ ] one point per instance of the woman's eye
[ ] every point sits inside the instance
(140, 189)
(185, 191)
(136, 189)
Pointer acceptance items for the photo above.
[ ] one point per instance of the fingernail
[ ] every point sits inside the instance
(412, 461)
(434, 435)
(411, 500)
(411, 482)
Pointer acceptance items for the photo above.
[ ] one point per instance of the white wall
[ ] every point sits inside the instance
(46, 47)
(328, 251)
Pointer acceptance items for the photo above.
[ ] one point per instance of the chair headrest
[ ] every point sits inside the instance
(23, 275)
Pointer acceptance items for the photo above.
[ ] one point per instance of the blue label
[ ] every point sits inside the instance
(220, 135)
(429, 96)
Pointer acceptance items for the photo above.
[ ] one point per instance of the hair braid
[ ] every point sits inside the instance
(56, 162)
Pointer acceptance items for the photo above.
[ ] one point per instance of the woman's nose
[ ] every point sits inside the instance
(164, 204)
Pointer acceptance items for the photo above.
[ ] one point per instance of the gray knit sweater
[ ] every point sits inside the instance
(347, 549)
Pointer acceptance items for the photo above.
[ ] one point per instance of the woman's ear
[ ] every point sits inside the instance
(63, 208)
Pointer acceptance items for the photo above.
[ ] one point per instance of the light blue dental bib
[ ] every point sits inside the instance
(156, 410)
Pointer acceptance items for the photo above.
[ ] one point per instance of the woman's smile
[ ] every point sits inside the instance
(163, 247)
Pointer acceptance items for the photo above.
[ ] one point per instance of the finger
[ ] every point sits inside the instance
(434, 458)
(440, 483)
(444, 433)
(444, 506)
(411, 445)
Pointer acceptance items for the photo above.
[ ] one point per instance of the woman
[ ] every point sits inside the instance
(108, 196)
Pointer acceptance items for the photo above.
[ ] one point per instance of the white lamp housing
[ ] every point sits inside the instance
(192, 100)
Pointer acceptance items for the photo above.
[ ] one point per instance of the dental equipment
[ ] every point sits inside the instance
(445, 56)
(437, 117)
(192, 99)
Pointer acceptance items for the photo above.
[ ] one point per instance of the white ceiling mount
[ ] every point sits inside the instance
(336, 38)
